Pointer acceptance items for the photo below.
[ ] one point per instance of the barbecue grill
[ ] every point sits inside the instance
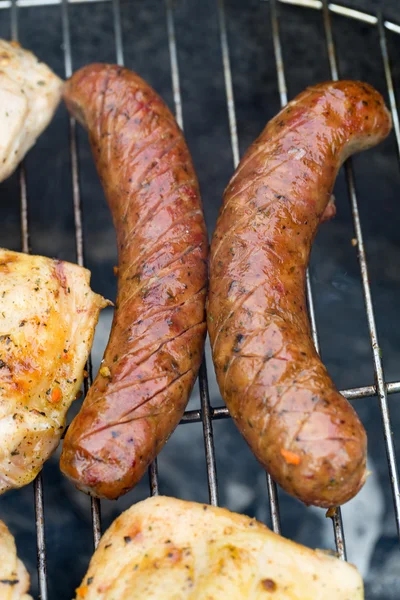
(76, 186)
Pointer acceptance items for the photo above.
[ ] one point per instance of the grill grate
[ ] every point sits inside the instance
(206, 414)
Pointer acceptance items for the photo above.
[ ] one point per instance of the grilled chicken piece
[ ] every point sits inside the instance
(47, 318)
(29, 95)
(14, 578)
(168, 549)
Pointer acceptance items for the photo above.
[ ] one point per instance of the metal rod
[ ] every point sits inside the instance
(378, 366)
(221, 412)
(36, 3)
(21, 168)
(389, 82)
(230, 99)
(369, 390)
(208, 434)
(338, 531)
(344, 11)
(330, 44)
(173, 54)
(66, 45)
(391, 388)
(153, 478)
(96, 520)
(38, 483)
(205, 413)
(119, 48)
(14, 21)
(40, 537)
(79, 244)
(351, 13)
(311, 312)
(392, 27)
(23, 209)
(76, 195)
(274, 504)
(280, 69)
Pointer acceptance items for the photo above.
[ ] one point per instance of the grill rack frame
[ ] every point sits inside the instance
(207, 414)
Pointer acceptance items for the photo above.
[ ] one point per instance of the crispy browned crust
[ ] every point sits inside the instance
(276, 388)
(157, 337)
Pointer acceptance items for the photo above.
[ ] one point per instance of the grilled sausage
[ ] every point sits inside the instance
(276, 388)
(158, 331)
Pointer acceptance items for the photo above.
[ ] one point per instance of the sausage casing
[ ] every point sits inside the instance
(276, 388)
(157, 337)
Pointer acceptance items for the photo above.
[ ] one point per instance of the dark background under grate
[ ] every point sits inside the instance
(224, 68)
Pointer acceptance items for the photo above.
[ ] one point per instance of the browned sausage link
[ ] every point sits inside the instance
(157, 336)
(277, 390)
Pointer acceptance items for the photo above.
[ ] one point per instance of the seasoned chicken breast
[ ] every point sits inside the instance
(14, 578)
(47, 318)
(168, 549)
(29, 95)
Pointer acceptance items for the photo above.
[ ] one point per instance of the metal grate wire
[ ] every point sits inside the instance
(280, 69)
(362, 258)
(76, 196)
(38, 483)
(206, 413)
